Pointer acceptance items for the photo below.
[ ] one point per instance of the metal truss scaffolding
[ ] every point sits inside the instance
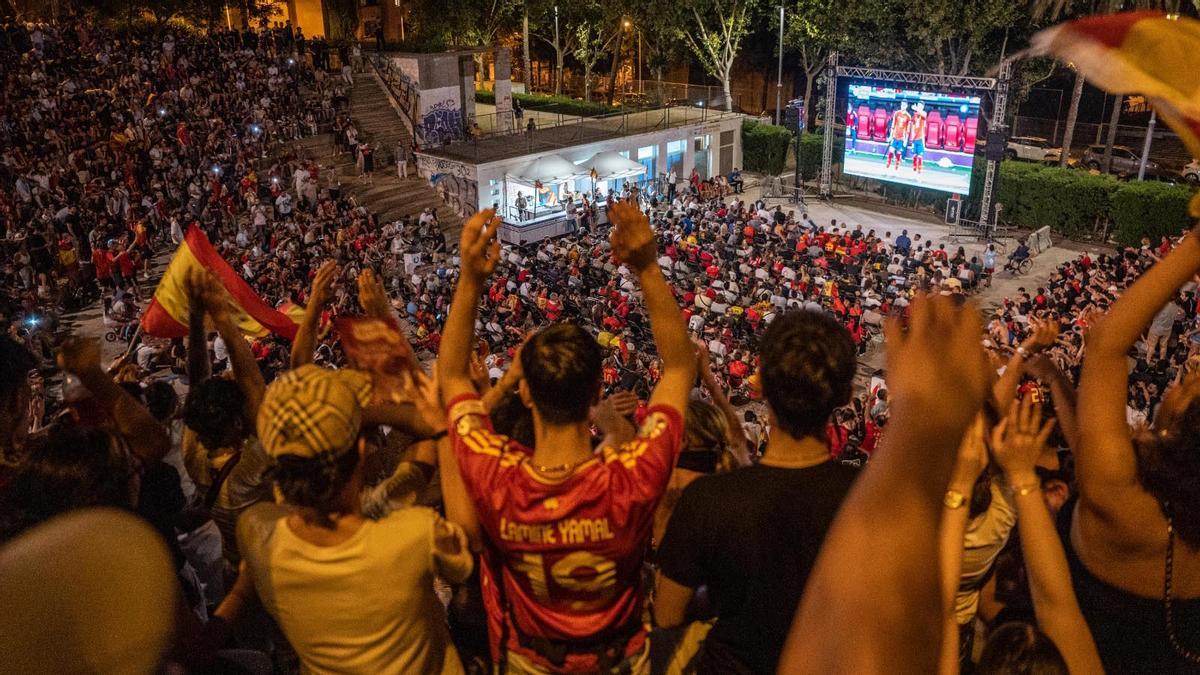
(928, 79)
(998, 85)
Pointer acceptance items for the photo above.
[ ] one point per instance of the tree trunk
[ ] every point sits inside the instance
(1113, 119)
(809, 108)
(1072, 114)
(616, 63)
(725, 90)
(525, 49)
(558, 70)
(587, 82)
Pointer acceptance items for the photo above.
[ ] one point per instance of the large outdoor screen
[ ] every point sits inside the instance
(920, 138)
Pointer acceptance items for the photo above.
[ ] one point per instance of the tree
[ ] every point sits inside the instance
(657, 21)
(462, 22)
(813, 28)
(593, 39)
(575, 20)
(1073, 9)
(714, 32)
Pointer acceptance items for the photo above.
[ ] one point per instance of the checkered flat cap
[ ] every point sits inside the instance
(313, 412)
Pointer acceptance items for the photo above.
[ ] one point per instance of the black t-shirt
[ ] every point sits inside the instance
(752, 536)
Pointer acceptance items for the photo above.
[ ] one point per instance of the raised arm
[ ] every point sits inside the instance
(1017, 443)
(147, 439)
(199, 365)
(306, 334)
(249, 378)
(480, 252)
(735, 436)
(1105, 463)
(886, 616)
(972, 458)
(1061, 391)
(633, 244)
(1042, 335)
(457, 501)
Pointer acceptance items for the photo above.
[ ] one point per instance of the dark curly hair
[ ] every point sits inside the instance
(562, 365)
(808, 361)
(1018, 647)
(313, 483)
(68, 468)
(214, 411)
(1168, 465)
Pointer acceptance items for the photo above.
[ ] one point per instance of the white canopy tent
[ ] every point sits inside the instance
(610, 165)
(548, 169)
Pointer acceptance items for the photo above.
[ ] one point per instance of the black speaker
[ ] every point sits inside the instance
(997, 143)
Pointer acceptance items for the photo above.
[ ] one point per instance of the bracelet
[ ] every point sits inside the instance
(954, 499)
(1022, 490)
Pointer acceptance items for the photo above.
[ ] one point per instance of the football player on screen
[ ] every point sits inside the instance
(920, 120)
(898, 135)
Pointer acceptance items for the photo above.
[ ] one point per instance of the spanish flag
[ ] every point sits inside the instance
(1150, 53)
(167, 315)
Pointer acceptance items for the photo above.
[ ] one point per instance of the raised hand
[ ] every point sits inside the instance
(372, 295)
(632, 239)
(424, 393)
(972, 457)
(207, 293)
(79, 355)
(1042, 335)
(479, 247)
(918, 370)
(322, 284)
(1020, 440)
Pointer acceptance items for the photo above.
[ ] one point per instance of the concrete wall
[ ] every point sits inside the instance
(308, 15)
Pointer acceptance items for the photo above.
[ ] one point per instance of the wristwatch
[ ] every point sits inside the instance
(954, 499)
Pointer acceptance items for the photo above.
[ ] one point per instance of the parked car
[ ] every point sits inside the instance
(1125, 162)
(1032, 148)
(1191, 172)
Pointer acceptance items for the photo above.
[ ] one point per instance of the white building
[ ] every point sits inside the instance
(550, 169)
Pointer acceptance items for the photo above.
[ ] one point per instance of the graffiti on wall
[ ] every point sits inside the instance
(459, 193)
(428, 165)
(441, 123)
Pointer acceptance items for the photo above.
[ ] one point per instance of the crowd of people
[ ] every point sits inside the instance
(642, 447)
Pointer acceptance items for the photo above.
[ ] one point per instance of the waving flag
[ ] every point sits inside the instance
(1154, 54)
(167, 315)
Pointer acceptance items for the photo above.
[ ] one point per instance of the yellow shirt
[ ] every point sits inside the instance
(365, 605)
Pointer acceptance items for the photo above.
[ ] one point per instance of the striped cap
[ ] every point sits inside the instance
(313, 412)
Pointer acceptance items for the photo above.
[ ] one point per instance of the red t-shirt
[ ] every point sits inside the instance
(103, 262)
(564, 558)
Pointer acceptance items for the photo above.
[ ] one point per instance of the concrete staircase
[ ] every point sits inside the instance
(389, 197)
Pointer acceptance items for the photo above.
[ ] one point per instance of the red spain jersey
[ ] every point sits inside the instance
(900, 122)
(563, 560)
(920, 120)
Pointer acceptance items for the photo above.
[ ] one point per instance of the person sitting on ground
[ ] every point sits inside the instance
(565, 529)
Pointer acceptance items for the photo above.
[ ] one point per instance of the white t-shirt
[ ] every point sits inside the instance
(365, 605)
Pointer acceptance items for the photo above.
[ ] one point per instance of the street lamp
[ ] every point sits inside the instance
(779, 73)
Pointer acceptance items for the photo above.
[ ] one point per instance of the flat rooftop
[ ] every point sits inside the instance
(569, 131)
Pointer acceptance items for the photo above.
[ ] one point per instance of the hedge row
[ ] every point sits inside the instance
(764, 147)
(1074, 202)
(549, 103)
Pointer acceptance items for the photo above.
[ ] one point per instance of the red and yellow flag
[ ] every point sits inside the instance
(167, 315)
(1150, 53)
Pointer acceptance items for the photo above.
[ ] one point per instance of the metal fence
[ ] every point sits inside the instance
(1166, 148)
